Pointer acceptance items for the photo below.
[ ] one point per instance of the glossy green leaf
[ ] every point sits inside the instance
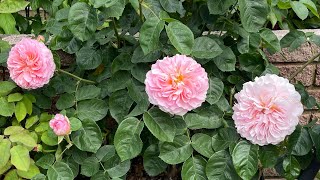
(152, 164)
(90, 166)
(177, 151)
(82, 20)
(160, 124)
(14, 97)
(293, 40)
(119, 104)
(20, 111)
(94, 109)
(8, 23)
(115, 167)
(311, 6)
(75, 123)
(48, 140)
(194, 168)
(59, 171)
(206, 48)
(127, 138)
(299, 142)
(89, 137)
(215, 90)
(33, 171)
(220, 167)
(300, 9)
(20, 157)
(100, 3)
(207, 117)
(219, 6)
(114, 10)
(271, 40)
(226, 61)
(7, 109)
(13, 130)
(224, 138)
(245, 159)
(31, 121)
(45, 161)
(181, 37)
(202, 144)
(6, 87)
(253, 14)
(25, 138)
(291, 168)
(87, 92)
(268, 155)
(88, 58)
(140, 57)
(150, 34)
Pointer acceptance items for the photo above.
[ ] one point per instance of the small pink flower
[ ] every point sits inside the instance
(268, 110)
(177, 84)
(30, 64)
(41, 38)
(60, 125)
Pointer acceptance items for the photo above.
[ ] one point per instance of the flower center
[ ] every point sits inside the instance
(178, 78)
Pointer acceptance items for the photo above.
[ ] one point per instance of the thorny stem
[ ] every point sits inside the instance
(116, 32)
(76, 77)
(305, 65)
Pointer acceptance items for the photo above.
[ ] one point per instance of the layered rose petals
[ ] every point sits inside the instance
(268, 110)
(30, 64)
(177, 84)
(60, 125)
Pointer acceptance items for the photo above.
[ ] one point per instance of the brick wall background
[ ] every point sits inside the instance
(288, 62)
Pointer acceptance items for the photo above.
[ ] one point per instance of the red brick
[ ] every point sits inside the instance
(306, 76)
(305, 118)
(317, 83)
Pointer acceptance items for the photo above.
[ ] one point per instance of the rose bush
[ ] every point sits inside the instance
(162, 88)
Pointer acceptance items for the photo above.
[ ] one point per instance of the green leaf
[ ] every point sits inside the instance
(271, 40)
(268, 155)
(75, 123)
(206, 48)
(300, 9)
(115, 167)
(13, 130)
(202, 144)
(48, 140)
(150, 34)
(101, 175)
(118, 81)
(207, 117)
(14, 97)
(105, 152)
(7, 109)
(119, 104)
(299, 142)
(87, 92)
(33, 171)
(220, 167)
(88, 58)
(82, 20)
(20, 157)
(90, 166)
(39, 177)
(5, 146)
(46, 161)
(181, 37)
(12, 6)
(173, 6)
(139, 71)
(252, 63)
(194, 168)
(31, 121)
(293, 40)
(226, 61)
(224, 138)
(65, 101)
(20, 111)
(138, 94)
(215, 90)
(220, 6)
(100, 3)
(6, 87)
(177, 151)
(315, 136)
(291, 168)
(94, 109)
(127, 138)
(160, 124)
(6, 167)
(12, 174)
(8, 23)
(115, 10)
(89, 137)
(253, 14)
(25, 138)
(139, 56)
(121, 62)
(59, 171)
(245, 159)
(311, 6)
(152, 164)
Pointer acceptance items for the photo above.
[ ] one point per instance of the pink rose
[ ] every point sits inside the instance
(268, 110)
(60, 125)
(177, 84)
(30, 64)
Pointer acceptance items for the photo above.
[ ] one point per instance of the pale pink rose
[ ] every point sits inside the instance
(60, 125)
(177, 84)
(268, 110)
(30, 64)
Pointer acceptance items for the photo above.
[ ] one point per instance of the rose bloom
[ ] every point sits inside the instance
(30, 64)
(177, 84)
(268, 110)
(60, 125)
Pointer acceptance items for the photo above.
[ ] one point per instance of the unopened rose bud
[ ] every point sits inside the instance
(60, 125)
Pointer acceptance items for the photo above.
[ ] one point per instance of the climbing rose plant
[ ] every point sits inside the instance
(166, 88)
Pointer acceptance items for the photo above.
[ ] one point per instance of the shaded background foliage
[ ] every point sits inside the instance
(116, 133)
